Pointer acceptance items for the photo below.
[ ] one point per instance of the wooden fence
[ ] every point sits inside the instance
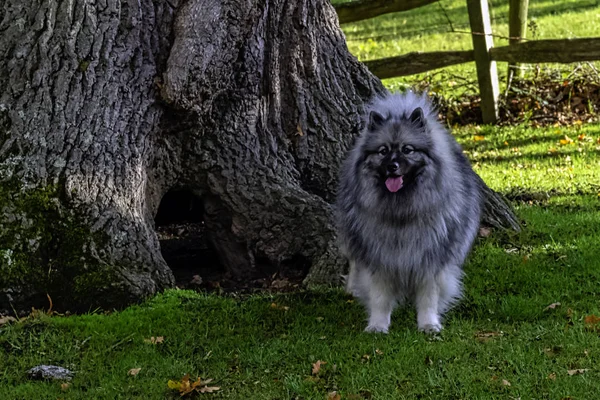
(484, 53)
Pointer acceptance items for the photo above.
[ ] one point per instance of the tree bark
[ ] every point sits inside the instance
(106, 106)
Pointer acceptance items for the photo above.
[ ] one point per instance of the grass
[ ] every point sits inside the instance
(254, 350)
(427, 29)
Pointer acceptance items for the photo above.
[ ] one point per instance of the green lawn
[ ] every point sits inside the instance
(427, 29)
(252, 349)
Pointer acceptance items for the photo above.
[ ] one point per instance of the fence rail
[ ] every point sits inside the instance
(415, 63)
(549, 50)
(365, 9)
(484, 53)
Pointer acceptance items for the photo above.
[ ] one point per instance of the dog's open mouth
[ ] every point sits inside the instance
(394, 183)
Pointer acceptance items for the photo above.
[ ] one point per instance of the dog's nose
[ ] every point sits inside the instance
(393, 166)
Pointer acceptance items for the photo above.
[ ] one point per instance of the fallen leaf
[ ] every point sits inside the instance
(184, 386)
(155, 340)
(552, 376)
(6, 320)
(591, 320)
(299, 130)
(485, 231)
(487, 336)
(280, 283)
(552, 306)
(316, 367)
(276, 306)
(196, 280)
(209, 389)
(65, 386)
(134, 371)
(581, 136)
(378, 352)
(334, 396)
(566, 140)
(505, 382)
(478, 138)
(319, 319)
(580, 371)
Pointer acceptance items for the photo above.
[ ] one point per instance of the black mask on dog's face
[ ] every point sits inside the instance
(396, 149)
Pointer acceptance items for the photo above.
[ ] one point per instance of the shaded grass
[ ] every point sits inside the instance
(255, 350)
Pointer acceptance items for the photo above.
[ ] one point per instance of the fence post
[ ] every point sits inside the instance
(517, 29)
(487, 72)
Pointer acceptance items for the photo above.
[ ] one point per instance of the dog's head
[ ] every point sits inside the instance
(396, 149)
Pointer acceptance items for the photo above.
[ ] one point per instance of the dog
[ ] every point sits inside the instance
(408, 209)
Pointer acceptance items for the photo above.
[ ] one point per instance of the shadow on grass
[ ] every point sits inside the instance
(528, 156)
(490, 145)
(409, 24)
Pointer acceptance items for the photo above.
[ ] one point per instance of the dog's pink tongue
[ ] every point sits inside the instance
(394, 184)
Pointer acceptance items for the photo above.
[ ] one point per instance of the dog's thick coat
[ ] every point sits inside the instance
(408, 210)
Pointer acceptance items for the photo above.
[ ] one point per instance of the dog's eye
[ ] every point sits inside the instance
(383, 150)
(407, 149)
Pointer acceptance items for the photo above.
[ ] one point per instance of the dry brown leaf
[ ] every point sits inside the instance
(591, 320)
(579, 371)
(6, 320)
(299, 130)
(505, 382)
(566, 140)
(155, 340)
(552, 306)
(184, 386)
(280, 283)
(487, 336)
(378, 352)
(552, 376)
(209, 389)
(316, 367)
(134, 371)
(334, 396)
(485, 231)
(65, 386)
(276, 306)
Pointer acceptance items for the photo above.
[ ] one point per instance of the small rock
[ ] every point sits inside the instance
(196, 280)
(50, 372)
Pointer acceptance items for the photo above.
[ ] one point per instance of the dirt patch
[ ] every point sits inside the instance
(196, 265)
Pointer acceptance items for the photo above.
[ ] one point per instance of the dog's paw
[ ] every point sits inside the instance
(376, 329)
(431, 328)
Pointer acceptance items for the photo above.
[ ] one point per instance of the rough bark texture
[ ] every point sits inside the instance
(106, 106)
(79, 139)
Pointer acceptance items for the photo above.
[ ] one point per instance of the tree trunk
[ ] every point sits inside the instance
(106, 106)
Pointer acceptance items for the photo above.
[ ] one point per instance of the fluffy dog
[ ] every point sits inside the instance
(407, 212)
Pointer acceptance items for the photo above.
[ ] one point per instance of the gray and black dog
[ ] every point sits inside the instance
(408, 210)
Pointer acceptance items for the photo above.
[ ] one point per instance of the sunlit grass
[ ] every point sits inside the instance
(428, 29)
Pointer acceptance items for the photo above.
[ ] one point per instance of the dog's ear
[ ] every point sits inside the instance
(376, 120)
(417, 118)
